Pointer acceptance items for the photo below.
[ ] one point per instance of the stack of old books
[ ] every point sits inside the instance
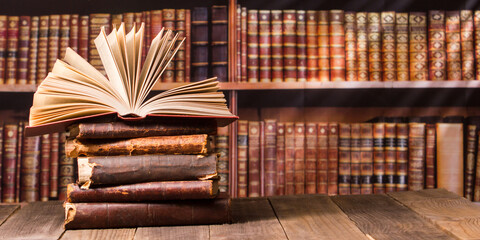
(144, 174)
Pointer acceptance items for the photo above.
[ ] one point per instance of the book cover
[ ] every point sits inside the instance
(221, 148)
(156, 20)
(310, 157)
(402, 157)
(332, 158)
(219, 48)
(270, 157)
(418, 46)
(74, 31)
(30, 169)
(466, 39)
(53, 40)
(54, 147)
(470, 161)
(45, 168)
(13, 29)
(264, 46)
(337, 45)
(66, 169)
(366, 158)
(323, 42)
(430, 156)
(33, 50)
(388, 46)
(64, 35)
(390, 156)
(322, 158)
(355, 159)
(453, 37)
(289, 158)
(180, 57)
(276, 45)
(378, 157)
(301, 46)
(242, 158)
(344, 150)
(42, 52)
(436, 45)
(18, 167)
(244, 38)
(362, 46)
(402, 50)
(262, 158)
(289, 46)
(200, 36)
(299, 165)
(252, 46)
(280, 161)
(449, 157)
(312, 46)
(9, 162)
(83, 36)
(476, 189)
(350, 46)
(238, 45)
(374, 46)
(416, 156)
(254, 159)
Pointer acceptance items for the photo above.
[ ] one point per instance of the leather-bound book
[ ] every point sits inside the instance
(1, 157)
(437, 55)
(416, 156)
(332, 158)
(322, 158)
(3, 46)
(188, 45)
(66, 170)
(145, 192)
(355, 158)
(280, 164)
(344, 150)
(289, 46)
(168, 22)
(254, 159)
(270, 156)
(42, 57)
(310, 157)
(9, 162)
(277, 45)
(54, 147)
(138, 18)
(33, 50)
(13, 28)
(417, 30)
(83, 36)
(121, 215)
(242, 158)
(30, 169)
(301, 46)
(117, 19)
(262, 158)
(379, 157)
(238, 36)
(390, 156)
(23, 42)
(470, 161)
(221, 148)
(299, 165)
(45, 168)
(402, 157)
(53, 41)
(96, 21)
(362, 46)
(337, 45)
(402, 59)
(374, 46)
(148, 36)
(476, 189)
(476, 21)
(388, 46)
(312, 46)
(350, 46)
(253, 69)
(64, 35)
(180, 28)
(450, 156)
(323, 42)
(243, 33)
(366, 158)
(289, 158)
(18, 167)
(454, 58)
(430, 155)
(74, 31)
(128, 19)
(199, 43)
(156, 19)
(466, 38)
(264, 46)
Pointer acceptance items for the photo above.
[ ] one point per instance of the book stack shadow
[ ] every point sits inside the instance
(139, 174)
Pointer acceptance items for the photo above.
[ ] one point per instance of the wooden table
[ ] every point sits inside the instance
(427, 214)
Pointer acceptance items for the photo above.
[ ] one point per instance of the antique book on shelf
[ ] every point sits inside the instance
(252, 46)
(45, 168)
(254, 159)
(289, 46)
(466, 39)
(221, 148)
(454, 58)
(3, 46)
(301, 46)
(9, 162)
(476, 23)
(11, 54)
(117, 19)
(270, 156)
(374, 46)
(323, 42)
(33, 50)
(180, 28)
(402, 157)
(337, 45)
(322, 158)
(238, 44)
(54, 147)
(344, 158)
(350, 47)
(289, 158)
(390, 156)
(476, 188)
(243, 33)
(379, 157)
(96, 21)
(366, 158)
(219, 54)
(417, 30)
(416, 156)
(450, 156)
(264, 46)
(280, 161)
(332, 173)
(362, 46)
(156, 20)
(312, 46)
(437, 55)
(276, 45)
(83, 36)
(299, 165)
(310, 157)
(53, 40)
(18, 167)
(355, 158)
(30, 169)
(388, 46)
(64, 35)
(128, 18)
(200, 36)
(168, 22)
(470, 160)
(262, 158)
(66, 171)
(42, 52)
(430, 155)
(74, 32)
(242, 158)
(402, 59)
(188, 45)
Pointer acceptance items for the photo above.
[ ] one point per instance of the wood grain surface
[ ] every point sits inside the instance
(171, 233)
(7, 210)
(104, 234)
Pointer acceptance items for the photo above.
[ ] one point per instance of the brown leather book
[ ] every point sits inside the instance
(280, 161)
(476, 21)
(23, 42)
(430, 156)
(64, 35)
(264, 46)
(301, 46)
(276, 45)
(332, 158)
(3, 46)
(117, 19)
(402, 157)
(374, 46)
(437, 55)
(402, 59)
(121, 215)
(33, 50)
(54, 147)
(13, 28)
(242, 158)
(9, 164)
(244, 44)
(418, 46)
(350, 46)
(379, 157)
(454, 58)
(322, 158)
(289, 158)
(199, 43)
(390, 156)
(252, 46)
(145, 192)
(362, 46)
(97, 20)
(53, 41)
(180, 57)
(238, 45)
(299, 165)
(310, 157)
(416, 156)
(1, 155)
(128, 19)
(66, 170)
(312, 46)
(18, 167)
(83, 36)
(30, 170)
(148, 37)
(337, 45)
(74, 31)
(270, 157)
(355, 158)
(42, 57)
(221, 148)
(45, 168)
(188, 45)
(323, 42)
(156, 20)
(262, 158)
(470, 161)
(289, 46)
(254, 159)
(450, 156)
(138, 19)
(476, 189)
(366, 158)
(168, 22)
(388, 46)
(466, 38)
(344, 149)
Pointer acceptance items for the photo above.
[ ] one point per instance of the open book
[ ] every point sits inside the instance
(74, 89)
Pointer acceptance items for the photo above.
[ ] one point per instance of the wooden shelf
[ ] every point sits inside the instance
(18, 88)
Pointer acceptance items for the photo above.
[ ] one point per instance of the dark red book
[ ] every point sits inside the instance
(416, 156)
(42, 58)
(344, 150)
(53, 41)
(264, 46)
(366, 158)
(238, 44)
(355, 158)
(418, 46)
(310, 157)
(97, 20)
(350, 46)
(66, 172)
(156, 20)
(243, 33)
(437, 56)
(430, 155)
(74, 31)
(254, 159)
(301, 46)
(466, 38)
(401, 30)
(9, 162)
(390, 156)
(221, 148)
(262, 158)
(277, 46)
(378, 157)
(454, 58)
(387, 43)
(12, 49)
(470, 161)
(374, 46)
(219, 44)
(3, 46)
(322, 158)
(30, 170)
(242, 158)
(45, 168)
(289, 46)
(199, 43)
(23, 44)
(180, 28)
(270, 157)
(337, 45)
(362, 46)
(33, 50)
(312, 46)
(252, 46)
(402, 157)
(289, 158)
(54, 147)
(18, 167)
(64, 35)
(332, 158)
(323, 42)
(188, 45)
(280, 161)
(299, 165)
(83, 35)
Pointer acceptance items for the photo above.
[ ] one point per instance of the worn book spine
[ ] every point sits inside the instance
(418, 46)
(13, 28)
(379, 158)
(264, 46)
(254, 159)
(344, 150)
(42, 57)
(289, 158)
(416, 156)
(437, 54)
(332, 158)
(54, 146)
(221, 148)
(262, 158)
(366, 158)
(238, 45)
(466, 38)
(45, 168)
(362, 46)
(277, 45)
(299, 165)
(322, 158)
(337, 45)
(390, 157)
(30, 170)
(96, 21)
(74, 31)
(156, 20)
(312, 46)
(23, 42)
(168, 22)
(430, 156)
(350, 47)
(53, 40)
(449, 157)
(83, 36)
(138, 19)
(355, 158)
(9, 162)
(470, 161)
(388, 46)
(310, 157)
(1, 155)
(117, 19)
(243, 33)
(3, 46)
(199, 43)
(64, 34)
(128, 19)
(252, 46)
(402, 59)
(454, 58)
(402, 157)
(323, 41)
(66, 171)
(188, 45)
(33, 50)
(219, 42)
(476, 190)
(301, 46)
(476, 19)
(280, 161)
(289, 46)
(18, 167)
(148, 37)
(374, 46)
(270, 156)
(242, 158)
(180, 28)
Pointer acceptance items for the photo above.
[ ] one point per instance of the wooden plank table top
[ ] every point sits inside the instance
(426, 214)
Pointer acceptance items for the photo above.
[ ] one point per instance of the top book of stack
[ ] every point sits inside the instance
(75, 91)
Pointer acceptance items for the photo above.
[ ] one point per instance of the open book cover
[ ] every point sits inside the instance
(75, 91)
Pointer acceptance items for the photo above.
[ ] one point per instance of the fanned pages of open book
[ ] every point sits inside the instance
(74, 89)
